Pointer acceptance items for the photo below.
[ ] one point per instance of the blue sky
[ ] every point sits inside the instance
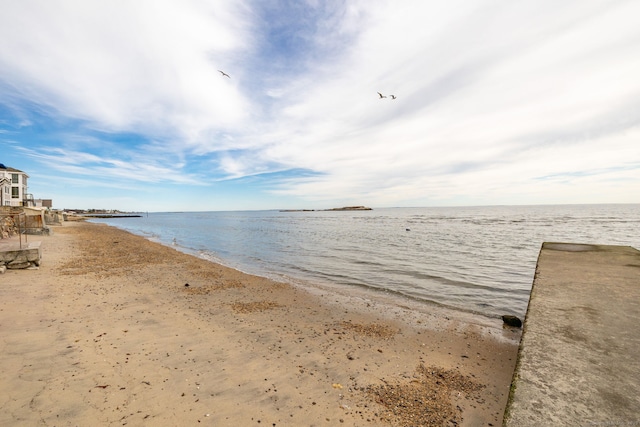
(119, 104)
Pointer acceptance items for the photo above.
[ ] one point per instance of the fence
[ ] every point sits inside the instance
(13, 223)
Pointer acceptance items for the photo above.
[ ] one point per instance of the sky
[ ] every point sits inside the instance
(120, 104)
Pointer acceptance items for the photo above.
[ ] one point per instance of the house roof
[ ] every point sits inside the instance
(10, 169)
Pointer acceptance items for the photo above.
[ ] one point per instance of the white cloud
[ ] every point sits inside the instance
(491, 97)
(144, 66)
(474, 90)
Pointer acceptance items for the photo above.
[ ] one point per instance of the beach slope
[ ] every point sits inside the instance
(107, 332)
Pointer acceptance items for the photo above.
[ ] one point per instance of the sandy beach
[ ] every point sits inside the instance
(113, 329)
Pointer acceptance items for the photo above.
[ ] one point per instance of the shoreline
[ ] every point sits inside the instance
(106, 332)
(489, 323)
(386, 296)
(394, 297)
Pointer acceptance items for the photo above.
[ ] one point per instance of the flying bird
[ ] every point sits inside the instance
(381, 95)
(392, 96)
(224, 74)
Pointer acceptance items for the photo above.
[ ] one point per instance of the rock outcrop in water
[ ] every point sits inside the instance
(345, 208)
(350, 208)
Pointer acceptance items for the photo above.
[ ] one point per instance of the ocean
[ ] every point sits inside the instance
(475, 259)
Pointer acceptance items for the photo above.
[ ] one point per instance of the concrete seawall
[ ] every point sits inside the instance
(579, 357)
(15, 254)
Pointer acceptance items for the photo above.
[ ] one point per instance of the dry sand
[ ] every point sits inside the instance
(106, 332)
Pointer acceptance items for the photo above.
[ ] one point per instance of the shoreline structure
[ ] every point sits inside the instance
(107, 331)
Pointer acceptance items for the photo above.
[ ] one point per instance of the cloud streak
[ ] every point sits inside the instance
(121, 66)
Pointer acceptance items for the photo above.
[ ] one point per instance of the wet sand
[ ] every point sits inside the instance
(107, 332)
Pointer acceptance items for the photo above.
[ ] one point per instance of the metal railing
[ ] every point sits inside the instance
(28, 200)
(19, 220)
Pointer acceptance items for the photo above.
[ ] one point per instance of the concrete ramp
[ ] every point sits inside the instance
(579, 357)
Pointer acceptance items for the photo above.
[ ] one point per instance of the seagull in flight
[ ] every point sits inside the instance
(381, 95)
(392, 96)
(224, 74)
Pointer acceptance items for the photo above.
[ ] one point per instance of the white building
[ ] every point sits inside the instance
(13, 187)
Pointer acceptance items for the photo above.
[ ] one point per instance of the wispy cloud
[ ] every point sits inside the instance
(127, 66)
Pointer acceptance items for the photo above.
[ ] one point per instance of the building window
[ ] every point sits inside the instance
(14, 178)
(15, 192)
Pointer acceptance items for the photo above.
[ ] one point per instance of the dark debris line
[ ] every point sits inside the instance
(426, 400)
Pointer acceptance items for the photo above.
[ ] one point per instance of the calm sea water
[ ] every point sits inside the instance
(476, 259)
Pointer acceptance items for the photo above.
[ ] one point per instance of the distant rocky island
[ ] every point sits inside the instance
(345, 208)
(100, 213)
